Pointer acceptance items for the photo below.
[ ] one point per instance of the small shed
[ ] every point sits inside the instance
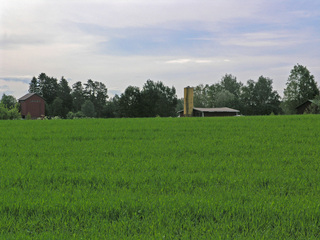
(33, 104)
(212, 112)
(303, 107)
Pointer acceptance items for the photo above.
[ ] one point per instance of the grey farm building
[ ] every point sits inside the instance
(191, 111)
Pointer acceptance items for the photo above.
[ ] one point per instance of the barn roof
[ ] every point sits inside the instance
(28, 95)
(223, 109)
(309, 101)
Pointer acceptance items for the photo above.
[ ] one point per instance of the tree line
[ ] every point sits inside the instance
(91, 99)
(155, 99)
(258, 97)
(254, 98)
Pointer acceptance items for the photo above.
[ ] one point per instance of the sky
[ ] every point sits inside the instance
(178, 42)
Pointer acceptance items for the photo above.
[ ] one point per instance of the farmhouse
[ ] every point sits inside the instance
(191, 111)
(32, 104)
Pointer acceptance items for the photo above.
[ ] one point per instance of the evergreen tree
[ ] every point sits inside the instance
(77, 96)
(34, 86)
(64, 94)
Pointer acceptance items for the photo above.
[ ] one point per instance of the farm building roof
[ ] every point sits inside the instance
(223, 109)
(316, 102)
(28, 95)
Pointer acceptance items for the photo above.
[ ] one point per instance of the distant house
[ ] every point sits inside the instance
(212, 112)
(32, 104)
(304, 106)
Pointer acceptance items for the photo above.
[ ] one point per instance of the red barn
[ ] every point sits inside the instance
(33, 104)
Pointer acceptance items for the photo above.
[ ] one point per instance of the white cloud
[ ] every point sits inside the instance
(179, 42)
(44, 15)
(15, 88)
(267, 39)
(187, 60)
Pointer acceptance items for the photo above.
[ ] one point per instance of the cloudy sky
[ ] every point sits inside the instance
(179, 42)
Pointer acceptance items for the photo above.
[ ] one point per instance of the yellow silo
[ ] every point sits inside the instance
(188, 102)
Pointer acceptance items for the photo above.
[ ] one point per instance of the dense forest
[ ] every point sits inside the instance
(91, 99)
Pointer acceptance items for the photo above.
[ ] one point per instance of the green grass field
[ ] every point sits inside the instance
(161, 178)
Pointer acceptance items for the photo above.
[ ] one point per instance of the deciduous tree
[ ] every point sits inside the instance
(58, 108)
(8, 101)
(229, 82)
(224, 98)
(203, 96)
(97, 93)
(48, 88)
(301, 87)
(88, 109)
(227, 92)
(158, 99)
(259, 98)
(130, 104)
(111, 109)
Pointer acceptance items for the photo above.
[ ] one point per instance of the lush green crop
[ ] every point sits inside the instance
(161, 178)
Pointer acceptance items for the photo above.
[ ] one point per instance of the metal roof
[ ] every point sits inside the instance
(311, 101)
(223, 109)
(28, 95)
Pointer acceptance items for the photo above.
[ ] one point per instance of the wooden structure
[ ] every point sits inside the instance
(32, 104)
(303, 107)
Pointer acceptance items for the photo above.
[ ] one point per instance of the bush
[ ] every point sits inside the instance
(14, 113)
(79, 114)
(70, 115)
(56, 118)
(4, 114)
